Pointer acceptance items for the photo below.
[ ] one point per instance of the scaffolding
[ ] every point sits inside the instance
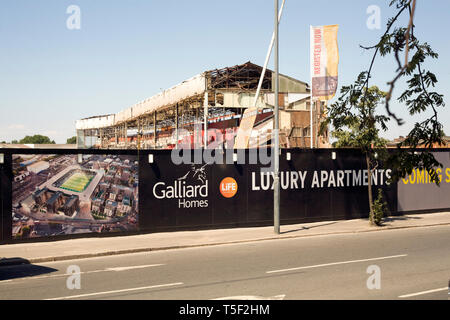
(213, 99)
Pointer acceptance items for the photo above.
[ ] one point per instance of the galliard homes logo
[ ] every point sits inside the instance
(190, 190)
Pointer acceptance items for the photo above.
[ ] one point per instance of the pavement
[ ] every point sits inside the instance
(29, 253)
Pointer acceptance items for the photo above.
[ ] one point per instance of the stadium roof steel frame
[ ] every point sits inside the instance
(240, 78)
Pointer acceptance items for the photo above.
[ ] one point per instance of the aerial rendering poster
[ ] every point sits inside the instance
(65, 194)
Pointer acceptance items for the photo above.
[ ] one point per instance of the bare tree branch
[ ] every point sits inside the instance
(410, 26)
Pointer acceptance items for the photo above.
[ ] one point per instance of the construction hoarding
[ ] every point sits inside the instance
(418, 192)
(90, 193)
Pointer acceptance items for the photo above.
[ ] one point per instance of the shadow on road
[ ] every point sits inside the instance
(14, 268)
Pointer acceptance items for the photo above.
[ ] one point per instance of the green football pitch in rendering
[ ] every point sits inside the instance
(78, 182)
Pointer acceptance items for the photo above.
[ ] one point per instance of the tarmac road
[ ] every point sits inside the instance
(413, 264)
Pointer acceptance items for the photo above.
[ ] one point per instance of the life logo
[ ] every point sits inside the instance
(228, 187)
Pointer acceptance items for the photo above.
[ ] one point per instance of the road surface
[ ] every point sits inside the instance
(413, 264)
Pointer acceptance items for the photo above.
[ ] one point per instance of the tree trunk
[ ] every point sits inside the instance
(369, 188)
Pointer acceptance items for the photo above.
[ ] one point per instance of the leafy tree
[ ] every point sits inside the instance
(36, 139)
(399, 40)
(14, 142)
(418, 98)
(359, 127)
(72, 140)
(380, 208)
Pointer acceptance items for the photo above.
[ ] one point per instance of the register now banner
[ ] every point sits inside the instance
(324, 61)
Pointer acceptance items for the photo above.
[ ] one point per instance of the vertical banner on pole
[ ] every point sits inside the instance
(324, 61)
(324, 55)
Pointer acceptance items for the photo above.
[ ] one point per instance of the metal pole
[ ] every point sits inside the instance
(101, 138)
(205, 120)
(84, 139)
(138, 136)
(269, 51)
(311, 121)
(276, 144)
(311, 92)
(154, 129)
(116, 138)
(176, 125)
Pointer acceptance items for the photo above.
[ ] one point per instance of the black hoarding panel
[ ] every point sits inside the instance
(259, 194)
(314, 187)
(228, 194)
(417, 192)
(153, 212)
(174, 196)
(329, 188)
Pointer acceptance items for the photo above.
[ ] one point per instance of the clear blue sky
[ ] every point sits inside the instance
(127, 51)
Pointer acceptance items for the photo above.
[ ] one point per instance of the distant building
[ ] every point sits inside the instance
(97, 204)
(38, 167)
(96, 165)
(123, 209)
(71, 205)
(126, 201)
(110, 208)
(115, 189)
(125, 175)
(396, 141)
(116, 164)
(224, 94)
(103, 186)
(28, 204)
(41, 196)
(127, 191)
(109, 178)
(112, 196)
(126, 167)
(55, 202)
(101, 194)
(22, 176)
(103, 165)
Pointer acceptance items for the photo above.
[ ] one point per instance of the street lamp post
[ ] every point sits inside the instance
(276, 143)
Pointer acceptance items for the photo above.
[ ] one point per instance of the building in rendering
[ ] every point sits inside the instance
(38, 166)
(110, 208)
(41, 196)
(71, 205)
(55, 202)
